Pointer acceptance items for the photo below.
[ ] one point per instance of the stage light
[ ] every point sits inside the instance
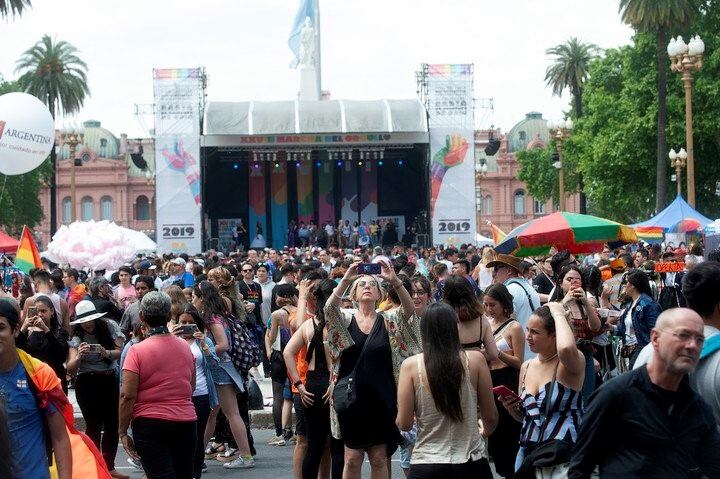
(339, 163)
(255, 155)
(297, 164)
(235, 166)
(257, 166)
(359, 163)
(380, 163)
(400, 162)
(382, 154)
(277, 165)
(318, 164)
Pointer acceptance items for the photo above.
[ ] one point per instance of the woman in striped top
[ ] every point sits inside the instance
(557, 375)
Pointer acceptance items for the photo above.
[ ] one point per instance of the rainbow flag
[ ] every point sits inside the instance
(497, 234)
(650, 234)
(27, 256)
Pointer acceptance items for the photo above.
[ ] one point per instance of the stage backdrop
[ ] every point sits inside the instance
(452, 163)
(178, 94)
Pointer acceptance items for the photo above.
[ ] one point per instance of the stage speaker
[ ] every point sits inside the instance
(138, 160)
(492, 147)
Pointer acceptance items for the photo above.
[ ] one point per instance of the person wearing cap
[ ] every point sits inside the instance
(507, 270)
(95, 348)
(178, 274)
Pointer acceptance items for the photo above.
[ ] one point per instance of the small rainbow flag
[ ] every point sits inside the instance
(27, 256)
(650, 234)
(497, 234)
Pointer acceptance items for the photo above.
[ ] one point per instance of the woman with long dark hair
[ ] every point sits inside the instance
(509, 337)
(228, 381)
(638, 318)
(42, 337)
(95, 348)
(443, 388)
(474, 330)
(570, 291)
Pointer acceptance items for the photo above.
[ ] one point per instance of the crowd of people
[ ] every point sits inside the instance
(462, 359)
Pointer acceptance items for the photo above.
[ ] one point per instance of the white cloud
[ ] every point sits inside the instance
(370, 48)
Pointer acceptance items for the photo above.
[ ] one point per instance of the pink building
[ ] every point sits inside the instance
(501, 197)
(109, 184)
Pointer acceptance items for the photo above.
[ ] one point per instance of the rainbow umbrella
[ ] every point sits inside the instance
(686, 225)
(571, 231)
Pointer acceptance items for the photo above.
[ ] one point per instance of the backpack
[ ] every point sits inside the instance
(244, 352)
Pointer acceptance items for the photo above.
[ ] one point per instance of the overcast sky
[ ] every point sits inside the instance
(370, 48)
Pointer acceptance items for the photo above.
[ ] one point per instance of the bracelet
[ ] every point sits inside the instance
(121, 435)
(297, 383)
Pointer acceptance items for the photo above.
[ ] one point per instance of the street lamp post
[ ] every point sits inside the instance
(686, 59)
(677, 161)
(73, 137)
(561, 131)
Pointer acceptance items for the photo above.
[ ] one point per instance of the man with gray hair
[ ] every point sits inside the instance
(131, 316)
(155, 306)
(649, 422)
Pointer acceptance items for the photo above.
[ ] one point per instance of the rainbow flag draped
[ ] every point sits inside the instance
(498, 235)
(27, 256)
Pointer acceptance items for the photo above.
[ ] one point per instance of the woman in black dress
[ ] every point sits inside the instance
(370, 345)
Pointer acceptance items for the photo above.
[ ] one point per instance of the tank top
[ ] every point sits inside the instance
(500, 340)
(475, 344)
(440, 440)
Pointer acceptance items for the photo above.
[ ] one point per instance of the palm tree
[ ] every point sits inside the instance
(659, 16)
(52, 71)
(12, 7)
(570, 69)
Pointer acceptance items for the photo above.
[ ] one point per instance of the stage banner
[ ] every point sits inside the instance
(349, 189)
(326, 194)
(452, 163)
(368, 192)
(306, 210)
(178, 96)
(257, 212)
(279, 205)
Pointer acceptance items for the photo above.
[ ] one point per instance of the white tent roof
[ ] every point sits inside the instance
(327, 116)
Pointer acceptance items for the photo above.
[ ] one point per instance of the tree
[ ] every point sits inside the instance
(12, 7)
(53, 72)
(570, 69)
(659, 16)
(541, 177)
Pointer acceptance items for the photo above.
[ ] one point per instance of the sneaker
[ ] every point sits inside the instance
(240, 463)
(280, 441)
(292, 439)
(229, 455)
(273, 440)
(213, 449)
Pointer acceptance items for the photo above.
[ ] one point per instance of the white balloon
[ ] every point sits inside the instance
(27, 133)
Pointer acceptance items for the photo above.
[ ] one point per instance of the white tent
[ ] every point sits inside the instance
(481, 240)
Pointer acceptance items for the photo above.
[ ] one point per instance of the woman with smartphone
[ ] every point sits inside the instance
(509, 337)
(191, 327)
(95, 348)
(443, 388)
(42, 336)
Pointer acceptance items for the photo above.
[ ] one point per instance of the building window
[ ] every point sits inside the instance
(522, 135)
(519, 202)
(103, 142)
(66, 210)
(106, 208)
(486, 205)
(538, 207)
(142, 208)
(86, 208)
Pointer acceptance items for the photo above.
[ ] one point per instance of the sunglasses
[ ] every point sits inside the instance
(362, 283)
(247, 271)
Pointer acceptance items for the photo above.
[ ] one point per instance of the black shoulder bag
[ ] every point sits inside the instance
(345, 390)
(546, 453)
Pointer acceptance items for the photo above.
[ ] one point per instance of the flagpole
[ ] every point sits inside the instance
(318, 44)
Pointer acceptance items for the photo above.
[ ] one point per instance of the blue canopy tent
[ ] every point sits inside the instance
(677, 211)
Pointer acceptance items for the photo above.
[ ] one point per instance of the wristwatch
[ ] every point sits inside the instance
(297, 383)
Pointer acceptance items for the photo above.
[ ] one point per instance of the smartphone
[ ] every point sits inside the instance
(96, 348)
(32, 311)
(505, 392)
(188, 329)
(369, 268)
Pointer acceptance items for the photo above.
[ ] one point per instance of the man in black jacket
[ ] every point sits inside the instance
(649, 422)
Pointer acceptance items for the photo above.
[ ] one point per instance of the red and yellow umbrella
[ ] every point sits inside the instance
(571, 231)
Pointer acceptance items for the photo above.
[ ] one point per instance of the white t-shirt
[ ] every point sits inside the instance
(522, 309)
(200, 380)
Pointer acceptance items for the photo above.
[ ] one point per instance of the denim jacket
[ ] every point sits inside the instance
(644, 316)
(212, 391)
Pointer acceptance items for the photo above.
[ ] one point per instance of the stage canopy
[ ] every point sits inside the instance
(668, 218)
(304, 117)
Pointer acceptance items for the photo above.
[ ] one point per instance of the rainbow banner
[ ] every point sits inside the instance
(304, 192)
(497, 234)
(279, 205)
(257, 211)
(650, 234)
(326, 194)
(27, 256)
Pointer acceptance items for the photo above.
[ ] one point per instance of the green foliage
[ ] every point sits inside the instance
(20, 194)
(541, 177)
(12, 7)
(649, 15)
(569, 68)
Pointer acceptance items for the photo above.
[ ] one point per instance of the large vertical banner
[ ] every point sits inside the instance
(306, 210)
(452, 165)
(178, 96)
(368, 192)
(279, 205)
(256, 199)
(326, 194)
(349, 189)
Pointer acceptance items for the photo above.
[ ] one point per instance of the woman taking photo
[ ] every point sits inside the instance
(421, 294)
(95, 348)
(580, 309)
(228, 381)
(157, 384)
(637, 320)
(474, 329)
(442, 389)
(204, 395)
(556, 375)
(505, 371)
(368, 348)
(42, 337)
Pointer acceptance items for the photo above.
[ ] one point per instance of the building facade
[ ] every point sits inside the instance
(501, 197)
(109, 184)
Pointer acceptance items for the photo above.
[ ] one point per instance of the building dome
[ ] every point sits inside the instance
(527, 130)
(98, 141)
